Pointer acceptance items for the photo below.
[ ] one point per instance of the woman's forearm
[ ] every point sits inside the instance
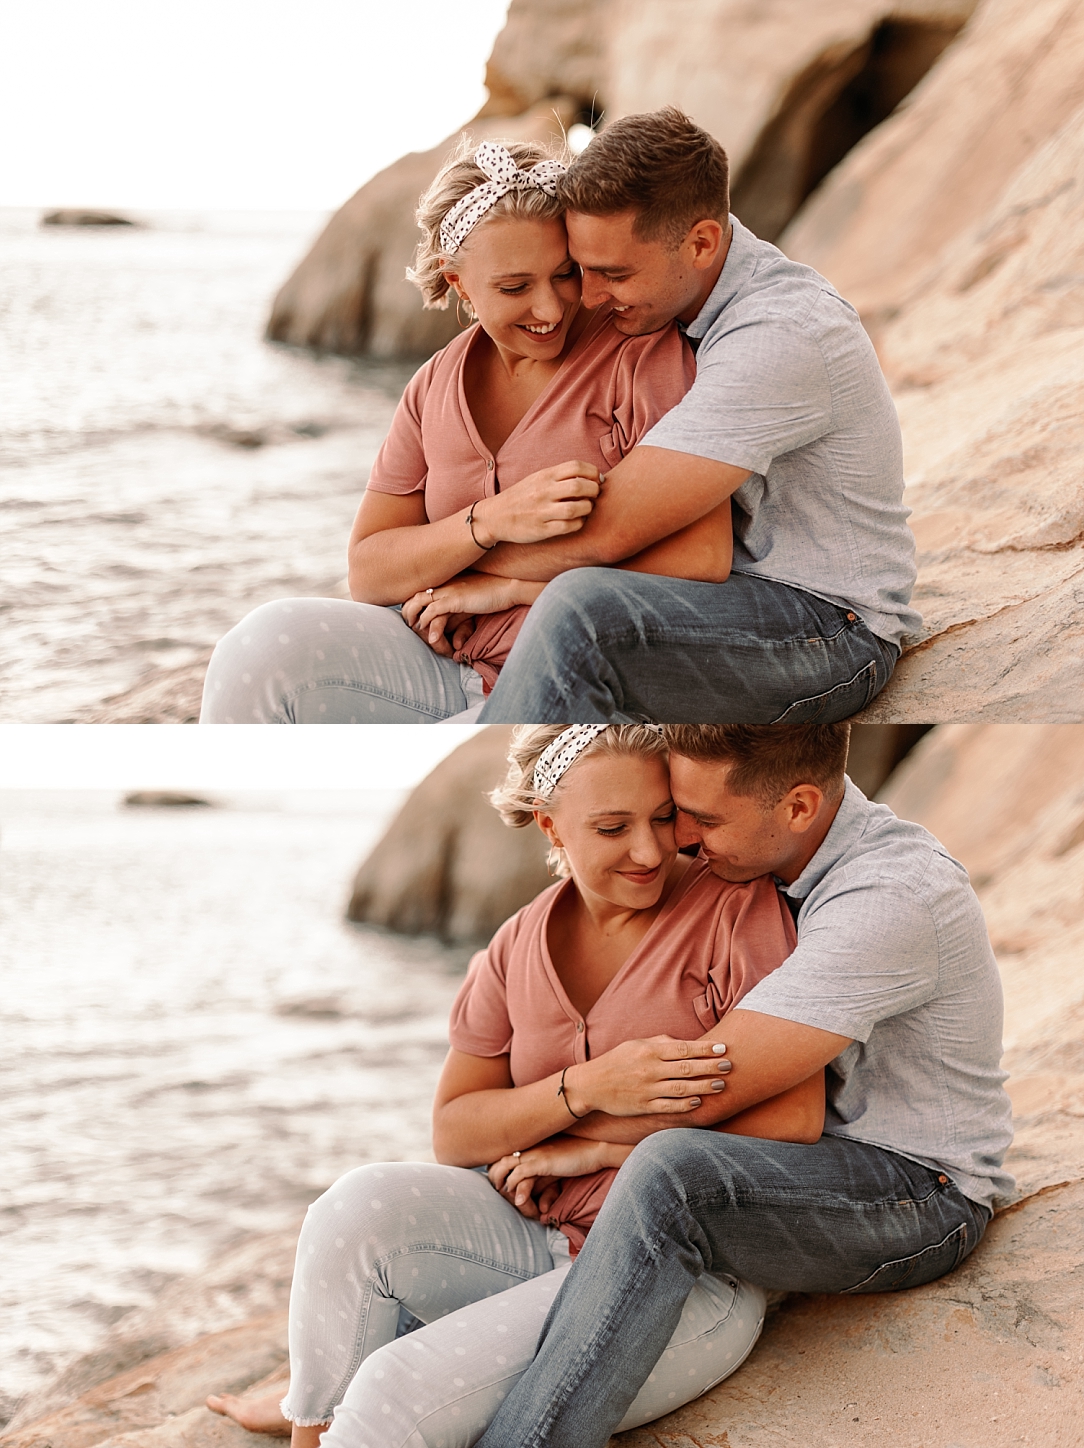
(391, 565)
(480, 1127)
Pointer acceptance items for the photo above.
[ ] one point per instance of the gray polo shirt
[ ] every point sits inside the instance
(788, 385)
(893, 952)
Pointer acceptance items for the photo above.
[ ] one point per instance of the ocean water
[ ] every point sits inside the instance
(195, 1044)
(162, 468)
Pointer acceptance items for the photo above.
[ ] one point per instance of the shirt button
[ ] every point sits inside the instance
(489, 465)
(579, 1025)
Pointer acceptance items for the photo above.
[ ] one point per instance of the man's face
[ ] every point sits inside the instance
(649, 282)
(738, 836)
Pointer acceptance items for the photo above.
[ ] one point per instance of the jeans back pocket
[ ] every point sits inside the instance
(924, 1266)
(836, 704)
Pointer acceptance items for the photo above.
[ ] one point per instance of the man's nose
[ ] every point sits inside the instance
(595, 290)
(685, 831)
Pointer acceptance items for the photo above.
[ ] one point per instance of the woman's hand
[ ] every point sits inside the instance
(658, 1076)
(444, 617)
(540, 1170)
(546, 504)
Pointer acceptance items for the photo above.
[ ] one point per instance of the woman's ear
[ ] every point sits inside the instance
(544, 821)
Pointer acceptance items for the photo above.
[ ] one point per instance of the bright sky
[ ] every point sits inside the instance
(228, 104)
(164, 756)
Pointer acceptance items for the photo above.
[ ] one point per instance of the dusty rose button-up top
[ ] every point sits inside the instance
(609, 391)
(709, 945)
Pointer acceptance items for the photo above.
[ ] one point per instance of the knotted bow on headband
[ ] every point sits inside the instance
(504, 176)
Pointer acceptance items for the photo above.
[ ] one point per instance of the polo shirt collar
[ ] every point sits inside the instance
(736, 273)
(844, 833)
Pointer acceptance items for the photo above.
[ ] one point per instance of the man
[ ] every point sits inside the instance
(892, 987)
(789, 417)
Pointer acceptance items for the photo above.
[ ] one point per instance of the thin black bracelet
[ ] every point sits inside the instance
(564, 1094)
(470, 524)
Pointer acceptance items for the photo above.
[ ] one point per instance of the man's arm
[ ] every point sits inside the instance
(648, 496)
(770, 1056)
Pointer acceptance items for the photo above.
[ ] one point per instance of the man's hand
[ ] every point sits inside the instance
(770, 1055)
(649, 495)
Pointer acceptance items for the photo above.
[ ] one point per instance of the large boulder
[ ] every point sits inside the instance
(447, 865)
(548, 48)
(788, 87)
(350, 293)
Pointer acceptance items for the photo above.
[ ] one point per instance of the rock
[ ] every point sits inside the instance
(164, 799)
(237, 1304)
(350, 293)
(548, 49)
(938, 166)
(447, 865)
(78, 216)
(788, 87)
(876, 750)
(986, 359)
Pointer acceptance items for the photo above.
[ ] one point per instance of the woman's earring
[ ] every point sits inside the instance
(459, 313)
(555, 861)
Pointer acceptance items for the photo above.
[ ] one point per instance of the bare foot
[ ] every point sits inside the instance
(258, 1415)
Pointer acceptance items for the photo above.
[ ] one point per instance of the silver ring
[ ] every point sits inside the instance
(517, 1153)
(430, 592)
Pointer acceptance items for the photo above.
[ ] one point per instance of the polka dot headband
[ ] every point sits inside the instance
(559, 756)
(504, 176)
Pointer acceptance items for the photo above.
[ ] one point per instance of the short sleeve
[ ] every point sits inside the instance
(761, 390)
(480, 1025)
(652, 375)
(400, 465)
(866, 954)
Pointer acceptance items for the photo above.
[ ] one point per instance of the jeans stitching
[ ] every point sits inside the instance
(368, 690)
(914, 1259)
(869, 669)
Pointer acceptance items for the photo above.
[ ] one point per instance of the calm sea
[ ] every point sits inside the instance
(162, 468)
(195, 1044)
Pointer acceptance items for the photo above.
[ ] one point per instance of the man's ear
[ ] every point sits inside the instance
(801, 807)
(705, 239)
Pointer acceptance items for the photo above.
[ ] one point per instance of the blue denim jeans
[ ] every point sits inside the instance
(605, 646)
(840, 1216)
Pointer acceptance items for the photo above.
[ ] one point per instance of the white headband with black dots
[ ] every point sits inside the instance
(504, 175)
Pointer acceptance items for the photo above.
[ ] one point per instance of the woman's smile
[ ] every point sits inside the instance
(642, 876)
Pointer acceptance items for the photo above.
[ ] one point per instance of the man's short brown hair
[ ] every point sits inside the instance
(662, 166)
(768, 760)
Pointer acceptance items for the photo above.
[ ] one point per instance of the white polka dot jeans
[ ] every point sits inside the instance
(329, 661)
(394, 1245)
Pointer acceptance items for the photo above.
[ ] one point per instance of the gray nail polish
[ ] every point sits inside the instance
(718, 1085)
(726, 1066)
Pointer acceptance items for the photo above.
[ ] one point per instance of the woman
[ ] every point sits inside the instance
(635, 939)
(476, 455)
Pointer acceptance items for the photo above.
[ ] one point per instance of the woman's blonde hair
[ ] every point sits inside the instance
(456, 178)
(516, 799)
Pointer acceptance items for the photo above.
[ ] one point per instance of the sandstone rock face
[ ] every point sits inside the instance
(547, 48)
(447, 865)
(350, 293)
(788, 87)
(986, 358)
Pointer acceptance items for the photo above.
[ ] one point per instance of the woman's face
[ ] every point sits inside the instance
(521, 282)
(614, 818)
